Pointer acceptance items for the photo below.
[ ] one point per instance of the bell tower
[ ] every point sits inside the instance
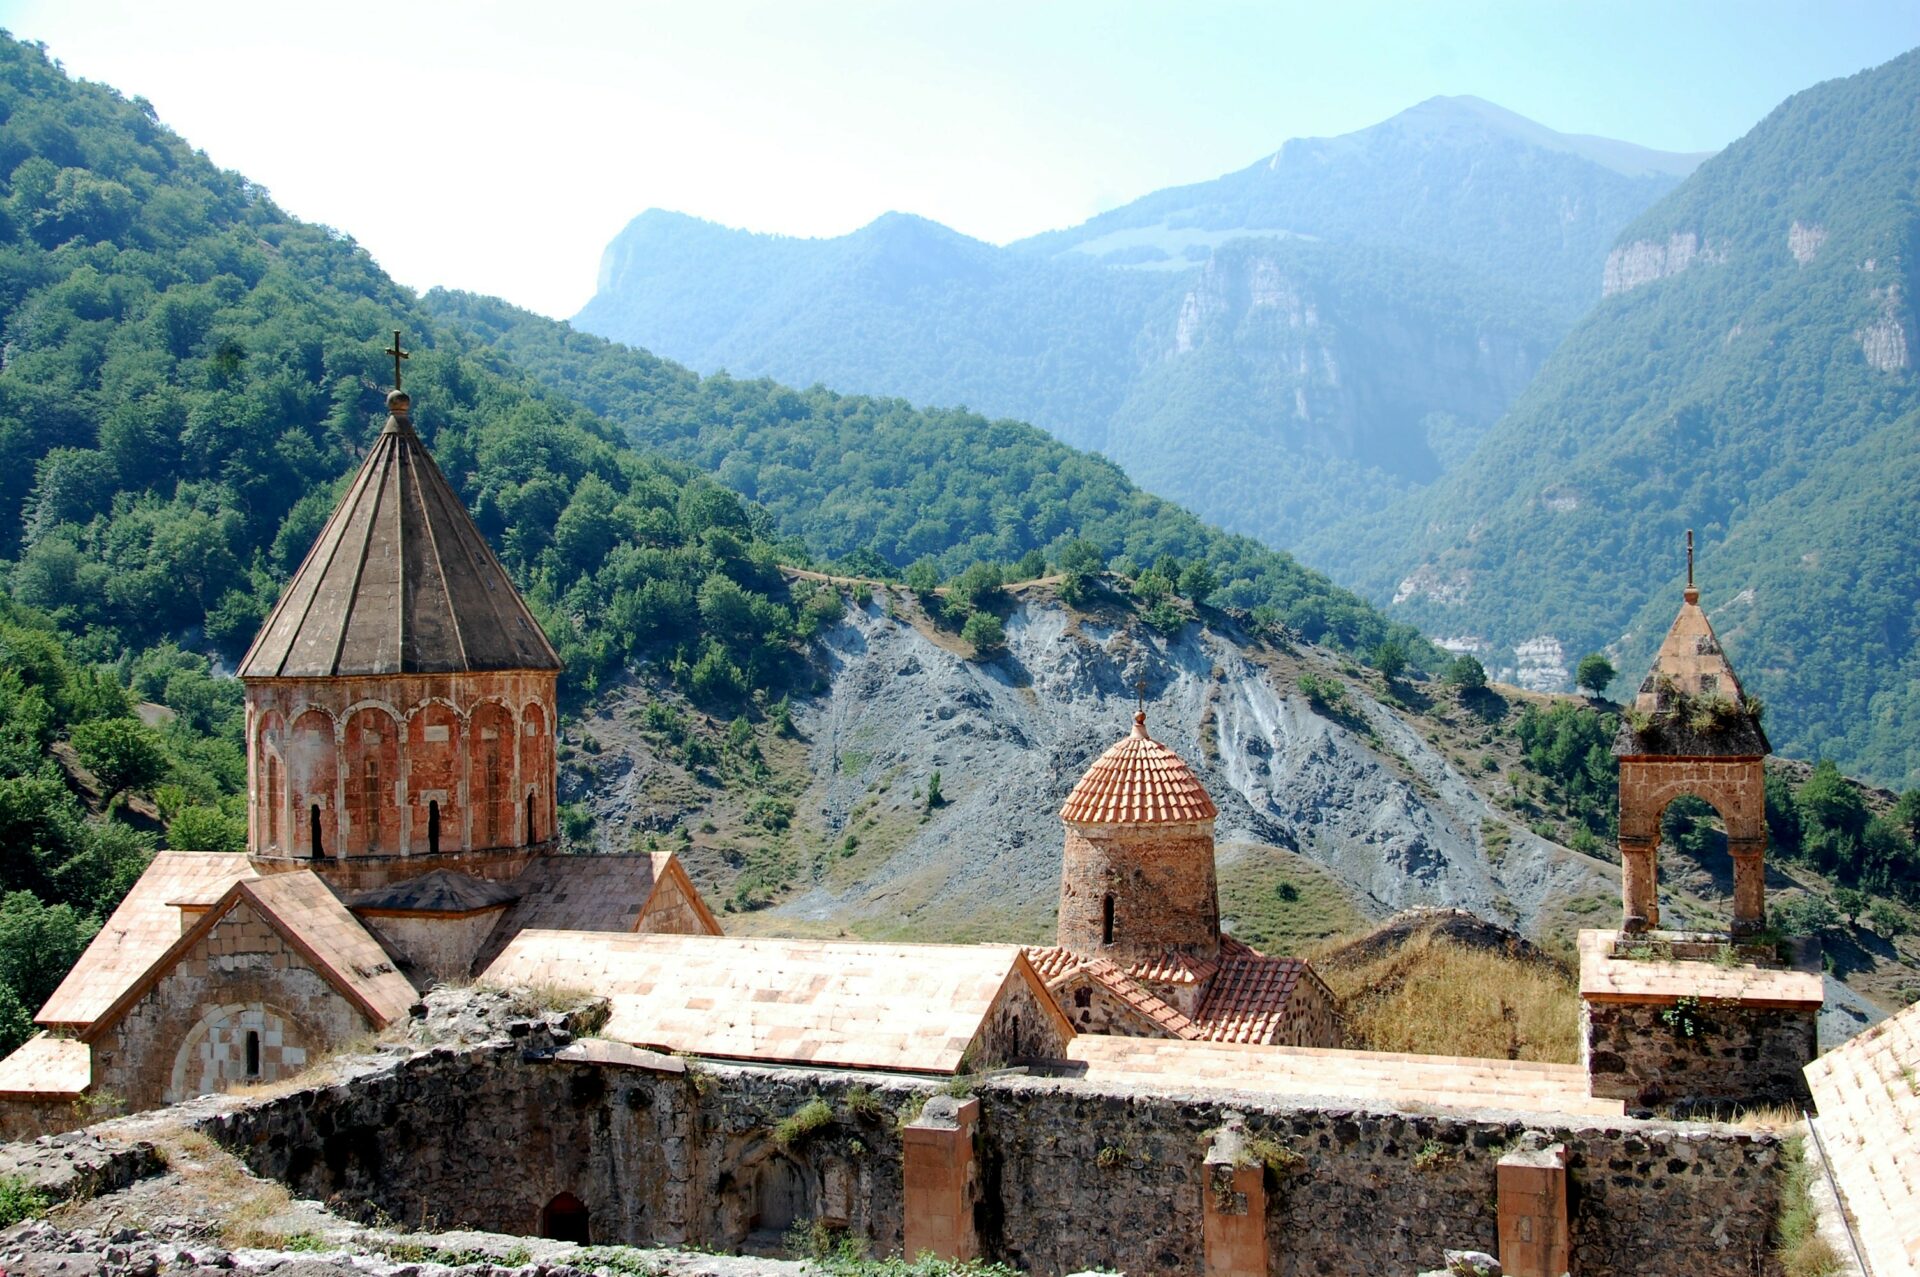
(1692, 730)
(400, 697)
(1137, 880)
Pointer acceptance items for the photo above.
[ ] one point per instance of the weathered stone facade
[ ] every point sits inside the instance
(1131, 892)
(1736, 789)
(402, 773)
(1069, 1175)
(242, 1005)
(1698, 1052)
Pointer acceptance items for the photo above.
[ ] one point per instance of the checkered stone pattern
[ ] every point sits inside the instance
(219, 1061)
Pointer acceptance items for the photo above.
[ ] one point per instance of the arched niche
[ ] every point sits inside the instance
(371, 746)
(493, 795)
(214, 1055)
(436, 740)
(312, 759)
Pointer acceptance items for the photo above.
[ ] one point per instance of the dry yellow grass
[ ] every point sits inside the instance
(1433, 996)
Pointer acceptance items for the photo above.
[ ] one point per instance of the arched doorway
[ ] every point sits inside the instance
(780, 1197)
(565, 1219)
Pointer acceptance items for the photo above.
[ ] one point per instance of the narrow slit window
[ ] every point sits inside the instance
(253, 1053)
(532, 838)
(313, 831)
(433, 827)
(1106, 920)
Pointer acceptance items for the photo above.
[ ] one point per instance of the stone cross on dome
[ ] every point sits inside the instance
(1693, 592)
(399, 354)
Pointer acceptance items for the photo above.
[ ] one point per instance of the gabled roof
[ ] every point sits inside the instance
(141, 930)
(1870, 1121)
(1138, 781)
(313, 922)
(1248, 996)
(399, 582)
(441, 891)
(47, 1068)
(909, 1007)
(591, 893)
(1062, 968)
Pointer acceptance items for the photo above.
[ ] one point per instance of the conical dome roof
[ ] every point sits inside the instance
(399, 582)
(1138, 781)
(1690, 701)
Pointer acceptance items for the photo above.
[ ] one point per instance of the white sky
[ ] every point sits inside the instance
(498, 146)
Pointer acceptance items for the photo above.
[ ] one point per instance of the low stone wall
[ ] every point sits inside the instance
(1071, 1175)
(1698, 1054)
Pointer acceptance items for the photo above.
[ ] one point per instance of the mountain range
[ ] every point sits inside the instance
(1338, 322)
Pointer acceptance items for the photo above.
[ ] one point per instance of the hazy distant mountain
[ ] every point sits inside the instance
(1317, 334)
(1749, 375)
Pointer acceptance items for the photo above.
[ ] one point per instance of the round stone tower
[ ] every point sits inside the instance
(400, 698)
(1138, 878)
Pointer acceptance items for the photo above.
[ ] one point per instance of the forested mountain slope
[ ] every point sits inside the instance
(1316, 334)
(1751, 375)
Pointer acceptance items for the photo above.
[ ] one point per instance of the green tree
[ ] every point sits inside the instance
(1851, 902)
(1389, 656)
(1886, 919)
(934, 797)
(984, 633)
(38, 944)
(121, 753)
(923, 575)
(1594, 673)
(206, 829)
(1198, 581)
(1467, 673)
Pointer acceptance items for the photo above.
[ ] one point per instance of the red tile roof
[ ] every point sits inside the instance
(1247, 999)
(1173, 967)
(1138, 781)
(1055, 966)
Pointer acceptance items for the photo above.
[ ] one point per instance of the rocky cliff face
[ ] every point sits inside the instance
(1367, 797)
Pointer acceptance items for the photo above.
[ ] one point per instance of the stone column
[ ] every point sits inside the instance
(1749, 885)
(1639, 885)
(941, 1181)
(1535, 1230)
(1233, 1206)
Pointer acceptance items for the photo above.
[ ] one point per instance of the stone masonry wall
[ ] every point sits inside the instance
(1667, 1053)
(187, 1035)
(1073, 1175)
(1161, 881)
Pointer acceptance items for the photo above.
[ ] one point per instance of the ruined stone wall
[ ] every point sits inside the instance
(1072, 1175)
(1666, 1052)
(188, 1035)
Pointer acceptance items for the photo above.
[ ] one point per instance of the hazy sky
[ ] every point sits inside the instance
(499, 146)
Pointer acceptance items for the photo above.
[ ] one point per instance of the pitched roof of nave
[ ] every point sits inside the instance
(1138, 781)
(400, 581)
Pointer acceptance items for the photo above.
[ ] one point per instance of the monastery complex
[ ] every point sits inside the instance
(401, 718)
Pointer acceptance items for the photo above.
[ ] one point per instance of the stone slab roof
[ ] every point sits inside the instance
(440, 891)
(47, 1068)
(907, 1007)
(588, 893)
(1605, 978)
(1868, 1091)
(305, 910)
(141, 930)
(1378, 1077)
(400, 581)
(1138, 781)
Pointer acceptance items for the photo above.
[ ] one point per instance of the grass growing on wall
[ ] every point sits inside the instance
(1436, 997)
(1803, 1251)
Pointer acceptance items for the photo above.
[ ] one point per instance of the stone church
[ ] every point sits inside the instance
(402, 831)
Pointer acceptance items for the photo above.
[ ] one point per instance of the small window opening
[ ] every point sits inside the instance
(313, 831)
(531, 838)
(564, 1219)
(1106, 920)
(433, 827)
(1083, 997)
(253, 1053)
(1015, 1050)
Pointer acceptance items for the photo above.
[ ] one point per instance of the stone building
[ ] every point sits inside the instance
(401, 824)
(1139, 951)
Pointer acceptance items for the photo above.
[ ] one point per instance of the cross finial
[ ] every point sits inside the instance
(398, 354)
(1140, 693)
(1689, 558)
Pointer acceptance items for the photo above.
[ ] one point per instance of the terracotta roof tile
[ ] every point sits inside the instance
(850, 1005)
(47, 1068)
(1248, 997)
(141, 930)
(1138, 781)
(400, 581)
(1055, 966)
(1173, 967)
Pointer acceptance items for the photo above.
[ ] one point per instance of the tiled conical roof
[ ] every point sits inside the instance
(1138, 781)
(399, 582)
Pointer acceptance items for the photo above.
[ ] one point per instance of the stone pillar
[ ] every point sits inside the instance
(941, 1181)
(1535, 1230)
(1233, 1206)
(1749, 886)
(1639, 885)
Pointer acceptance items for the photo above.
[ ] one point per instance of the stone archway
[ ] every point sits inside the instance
(566, 1219)
(1734, 787)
